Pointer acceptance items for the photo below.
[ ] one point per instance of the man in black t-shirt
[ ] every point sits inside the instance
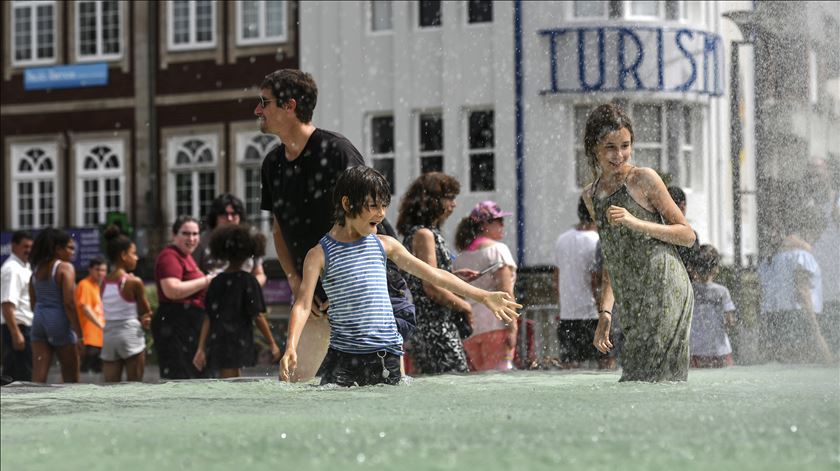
(298, 176)
(687, 254)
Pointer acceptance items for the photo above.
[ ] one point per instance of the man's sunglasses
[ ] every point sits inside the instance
(264, 101)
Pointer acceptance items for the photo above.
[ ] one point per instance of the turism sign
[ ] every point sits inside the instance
(633, 58)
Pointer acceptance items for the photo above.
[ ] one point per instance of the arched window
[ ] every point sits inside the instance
(251, 148)
(101, 180)
(192, 173)
(34, 185)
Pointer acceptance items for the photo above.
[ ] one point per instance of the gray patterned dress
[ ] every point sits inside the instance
(435, 346)
(653, 291)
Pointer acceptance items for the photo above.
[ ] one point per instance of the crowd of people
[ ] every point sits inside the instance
(636, 288)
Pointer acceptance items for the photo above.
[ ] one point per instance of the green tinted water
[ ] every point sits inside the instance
(766, 417)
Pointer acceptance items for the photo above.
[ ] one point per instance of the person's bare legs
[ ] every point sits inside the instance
(312, 347)
(112, 371)
(135, 366)
(68, 358)
(41, 358)
(229, 373)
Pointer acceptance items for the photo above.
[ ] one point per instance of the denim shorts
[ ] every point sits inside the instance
(350, 369)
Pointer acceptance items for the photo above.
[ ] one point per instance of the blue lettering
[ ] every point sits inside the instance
(552, 49)
(582, 61)
(624, 71)
(688, 83)
(660, 60)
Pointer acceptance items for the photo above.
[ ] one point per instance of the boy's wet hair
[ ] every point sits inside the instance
(706, 260)
(236, 243)
(357, 184)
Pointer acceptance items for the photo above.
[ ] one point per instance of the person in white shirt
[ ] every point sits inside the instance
(577, 280)
(791, 301)
(714, 313)
(17, 313)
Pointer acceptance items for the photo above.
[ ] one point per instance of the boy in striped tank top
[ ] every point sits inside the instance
(350, 260)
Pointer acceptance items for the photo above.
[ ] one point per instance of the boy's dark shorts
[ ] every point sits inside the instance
(90, 361)
(575, 337)
(349, 369)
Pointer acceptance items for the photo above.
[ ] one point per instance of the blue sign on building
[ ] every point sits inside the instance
(87, 245)
(66, 76)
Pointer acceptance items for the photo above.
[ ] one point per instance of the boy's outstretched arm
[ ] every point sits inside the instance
(312, 267)
(500, 303)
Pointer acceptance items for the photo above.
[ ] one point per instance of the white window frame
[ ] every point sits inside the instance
(262, 37)
(369, 18)
(192, 45)
(100, 44)
(369, 142)
(467, 23)
(18, 152)
(244, 141)
(418, 139)
(628, 11)
(101, 174)
(483, 150)
(573, 16)
(33, 6)
(418, 26)
(173, 144)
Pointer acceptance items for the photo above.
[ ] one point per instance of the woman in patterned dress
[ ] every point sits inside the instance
(435, 346)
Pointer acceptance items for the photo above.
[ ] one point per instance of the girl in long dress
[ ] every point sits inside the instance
(639, 225)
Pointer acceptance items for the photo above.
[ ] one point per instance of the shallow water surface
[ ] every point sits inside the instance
(757, 417)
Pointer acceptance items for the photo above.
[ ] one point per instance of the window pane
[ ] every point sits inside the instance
(590, 9)
(180, 22)
(431, 132)
(87, 28)
(481, 130)
(386, 167)
(183, 194)
(672, 10)
(45, 31)
(430, 13)
(45, 203)
(275, 18)
(645, 8)
(688, 138)
(23, 33)
(647, 123)
(647, 158)
(581, 115)
(381, 15)
(252, 195)
(382, 134)
(480, 11)
(583, 174)
(110, 27)
(203, 21)
(250, 20)
(112, 194)
(26, 202)
(686, 172)
(206, 191)
(431, 163)
(482, 172)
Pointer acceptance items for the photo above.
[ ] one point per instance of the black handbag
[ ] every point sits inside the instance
(462, 323)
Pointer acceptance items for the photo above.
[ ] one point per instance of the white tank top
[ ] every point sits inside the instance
(115, 306)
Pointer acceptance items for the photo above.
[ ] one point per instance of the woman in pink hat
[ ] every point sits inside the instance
(478, 236)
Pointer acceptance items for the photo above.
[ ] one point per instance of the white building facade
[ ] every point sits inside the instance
(497, 94)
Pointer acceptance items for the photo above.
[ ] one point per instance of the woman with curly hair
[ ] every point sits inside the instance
(436, 346)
